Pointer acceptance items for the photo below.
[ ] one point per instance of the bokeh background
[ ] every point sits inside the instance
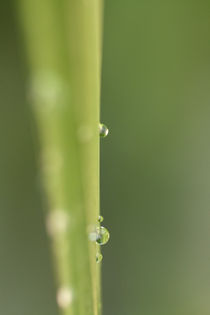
(155, 165)
(155, 168)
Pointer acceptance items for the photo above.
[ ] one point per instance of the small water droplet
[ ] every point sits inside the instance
(99, 257)
(103, 130)
(64, 297)
(100, 219)
(102, 235)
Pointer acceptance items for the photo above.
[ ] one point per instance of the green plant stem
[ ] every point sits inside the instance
(63, 44)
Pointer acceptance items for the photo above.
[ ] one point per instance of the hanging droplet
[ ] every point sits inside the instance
(99, 257)
(103, 130)
(102, 235)
(100, 219)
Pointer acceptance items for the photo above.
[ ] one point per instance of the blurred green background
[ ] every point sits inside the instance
(155, 165)
(155, 170)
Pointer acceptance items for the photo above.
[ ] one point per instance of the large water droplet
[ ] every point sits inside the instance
(99, 257)
(103, 130)
(102, 235)
(100, 219)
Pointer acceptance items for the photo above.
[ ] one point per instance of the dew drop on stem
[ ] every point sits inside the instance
(103, 130)
(99, 257)
(102, 235)
(100, 219)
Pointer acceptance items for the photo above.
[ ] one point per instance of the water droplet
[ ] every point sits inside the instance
(99, 257)
(64, 297)
(103, 130)
(100, 219)
(102, 235)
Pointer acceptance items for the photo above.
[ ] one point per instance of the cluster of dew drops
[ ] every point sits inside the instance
(101, 234)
